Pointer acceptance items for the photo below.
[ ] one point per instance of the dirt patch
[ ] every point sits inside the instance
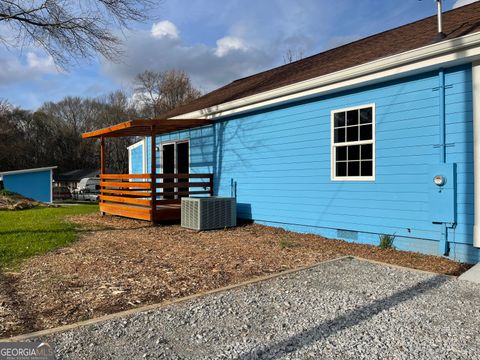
(119, 264)
(14, 201)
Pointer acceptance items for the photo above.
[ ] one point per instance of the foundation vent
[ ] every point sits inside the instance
(347, 234)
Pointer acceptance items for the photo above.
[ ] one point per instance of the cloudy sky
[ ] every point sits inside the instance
(215, 41)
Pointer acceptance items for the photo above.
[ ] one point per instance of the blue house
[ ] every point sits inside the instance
(379, 136)
(35, 184)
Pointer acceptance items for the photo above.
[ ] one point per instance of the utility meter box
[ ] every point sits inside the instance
(442, 193)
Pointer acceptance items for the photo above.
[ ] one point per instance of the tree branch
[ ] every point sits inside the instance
(69, 29)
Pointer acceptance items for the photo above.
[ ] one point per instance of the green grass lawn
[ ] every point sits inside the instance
(36, 231)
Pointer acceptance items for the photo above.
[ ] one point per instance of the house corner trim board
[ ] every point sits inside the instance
(476, 150)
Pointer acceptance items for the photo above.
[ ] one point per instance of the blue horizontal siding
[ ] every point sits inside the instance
(136, 159)
(279, 159)
(34, 185)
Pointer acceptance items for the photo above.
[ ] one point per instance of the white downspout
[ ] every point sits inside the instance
(476, 150)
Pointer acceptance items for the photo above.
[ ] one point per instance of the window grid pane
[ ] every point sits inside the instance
(351, 158)
(366, 116)
(339, 120)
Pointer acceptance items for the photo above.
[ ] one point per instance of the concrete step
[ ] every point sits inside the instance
(472, 275)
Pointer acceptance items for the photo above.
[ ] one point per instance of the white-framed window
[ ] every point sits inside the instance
(353, 143)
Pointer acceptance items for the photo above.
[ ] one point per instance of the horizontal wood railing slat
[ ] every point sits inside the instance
(182, 185)
(142, 213)
(126, 184)
(187, 193)
(181, 176)
(125, 176)
(126, 192)
(119, 199)
(144, 194)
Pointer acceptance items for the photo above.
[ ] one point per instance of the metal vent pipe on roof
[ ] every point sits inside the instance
(440, 34)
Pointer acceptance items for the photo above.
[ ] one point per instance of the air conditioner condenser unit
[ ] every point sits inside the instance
(208, 213)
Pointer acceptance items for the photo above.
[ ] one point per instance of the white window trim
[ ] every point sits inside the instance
(373, 142)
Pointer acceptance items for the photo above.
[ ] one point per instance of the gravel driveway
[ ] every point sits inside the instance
(345, 309)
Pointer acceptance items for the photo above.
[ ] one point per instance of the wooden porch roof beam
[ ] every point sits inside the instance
(143, 127)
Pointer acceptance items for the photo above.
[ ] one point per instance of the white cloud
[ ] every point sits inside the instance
(229, 43)
(43, 65)
(208, 66)
(32, 68)
(459, 3)
(164, 29)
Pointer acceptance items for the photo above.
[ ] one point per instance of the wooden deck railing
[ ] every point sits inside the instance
(130, 195)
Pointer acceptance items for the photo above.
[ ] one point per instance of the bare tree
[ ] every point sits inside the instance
(147, 91)
(118, 108)
(5, 106)
(78, 113)
(71, 28)
(51, 135)
(160, 92)
(292, 55)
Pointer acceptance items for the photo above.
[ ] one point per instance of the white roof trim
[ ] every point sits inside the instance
(27, 170)
(134, 145)
(445, 53)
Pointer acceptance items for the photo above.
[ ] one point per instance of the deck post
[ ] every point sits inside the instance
(153, 179)
(102, 166)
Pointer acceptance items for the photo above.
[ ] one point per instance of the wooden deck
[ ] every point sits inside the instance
(130, 195)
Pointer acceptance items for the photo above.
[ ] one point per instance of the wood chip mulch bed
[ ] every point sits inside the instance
(118, 264)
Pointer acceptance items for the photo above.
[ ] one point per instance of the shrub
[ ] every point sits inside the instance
(287, 244)
(386, 241)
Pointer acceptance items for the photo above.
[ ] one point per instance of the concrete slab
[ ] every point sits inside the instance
(472, 275)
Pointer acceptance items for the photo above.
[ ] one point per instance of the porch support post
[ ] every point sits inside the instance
(153, 180)
(102, 167)
(102, 155)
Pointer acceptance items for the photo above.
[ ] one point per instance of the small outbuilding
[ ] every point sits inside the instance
(35, 184)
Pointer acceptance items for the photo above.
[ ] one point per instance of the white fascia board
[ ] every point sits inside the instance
(453, 52)
(14, 172)
(138, 143)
